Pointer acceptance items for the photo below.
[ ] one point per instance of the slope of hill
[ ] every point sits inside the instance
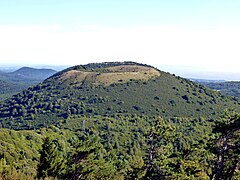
(9, 88)
(108, 89)
(3, 75)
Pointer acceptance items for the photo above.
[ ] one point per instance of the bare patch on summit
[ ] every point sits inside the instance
(110, 75)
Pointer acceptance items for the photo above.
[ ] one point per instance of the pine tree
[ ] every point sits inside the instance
(89, 160)
(51, 164)
(227, 146)
(160, 139)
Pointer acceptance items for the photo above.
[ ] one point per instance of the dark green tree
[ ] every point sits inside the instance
(160, 142)
(226, 147)
(51, 164)
(135, 169)
(89, 160)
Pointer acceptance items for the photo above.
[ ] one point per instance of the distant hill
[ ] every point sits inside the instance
(14, 82)
(27, 75)
(230, 88)
(30, 74)
(108, 89)
(206, 80)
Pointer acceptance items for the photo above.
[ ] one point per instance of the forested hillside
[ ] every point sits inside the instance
(119, 121)
(124, 147)
(108, 89)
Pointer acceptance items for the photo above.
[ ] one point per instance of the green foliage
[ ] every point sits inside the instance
(51, 163)
(89, 160)
(21, 149)
(136, 167)
(160, 140)
(227, 146)
(115, 148)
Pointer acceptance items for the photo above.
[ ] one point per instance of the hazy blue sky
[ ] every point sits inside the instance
(196, 34)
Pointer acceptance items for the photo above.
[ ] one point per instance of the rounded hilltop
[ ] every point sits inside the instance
(106, 73)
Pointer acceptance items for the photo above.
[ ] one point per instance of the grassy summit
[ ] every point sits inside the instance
(107, 76)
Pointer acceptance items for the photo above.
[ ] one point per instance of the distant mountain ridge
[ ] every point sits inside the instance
(16, 81)
(28, 73)
(230, 88)
(206, 80)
